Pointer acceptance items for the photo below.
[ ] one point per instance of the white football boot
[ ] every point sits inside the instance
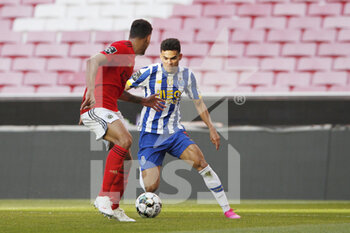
(104, 205)
(120, 215)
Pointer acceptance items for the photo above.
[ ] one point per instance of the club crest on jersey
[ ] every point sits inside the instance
(181, 83)
(110, 116)
(110, 50)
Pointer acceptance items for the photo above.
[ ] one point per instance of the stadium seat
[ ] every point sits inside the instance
(172, 24)
(185, 36)
(337, 22)
(314, 64)
(90, 11)
(293, 79)
(17, 50)
(5, 64)
(53, 89)
(284, 35)
(187, 11)
(310, 89)
(16, 11)
(109, 37)
(342, 63)
(242, 64)
(9, 2)
(235, 89)
(325, 9)
(79, 89)
(278, 64)
(340, 88)
(263, 50)
(325, 35)
(196, 49)
(210, 36)
(17, 90)
(256, 78)
(335, 49)
(72, 79)
(11, 78)
(199, 23)
(207, 1)
(299, 49)
(30, 24)
(289, 9)
(330, 78)
(76, 37)
(225, 49)
(254, 10)
(344, 35)
(5, 25)
(173, 1)
(10, 37)
(29, 64)
(50, 11)
(40, 78)
(85, 50)
(305, 22)
(270, 22)
(235, 23)
(208, 89)
(64, 64)
(41, 37)
(35, 2)
(219, 10)
(153, 10)
(105, 24)
(206, 64)
(272, 89)
(51, 50)
(220, 79)
(241, 35)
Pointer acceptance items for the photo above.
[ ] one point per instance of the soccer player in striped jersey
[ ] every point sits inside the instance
(162, 132)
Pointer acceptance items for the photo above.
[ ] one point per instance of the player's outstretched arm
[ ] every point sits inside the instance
(152, 101)
(92, 65)
(205, 116)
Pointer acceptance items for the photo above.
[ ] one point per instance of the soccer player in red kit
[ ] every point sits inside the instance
(106, 75)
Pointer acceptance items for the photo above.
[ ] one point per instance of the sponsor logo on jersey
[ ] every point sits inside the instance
(110, 50)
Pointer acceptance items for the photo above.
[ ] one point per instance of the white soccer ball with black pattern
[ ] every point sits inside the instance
(148, 205)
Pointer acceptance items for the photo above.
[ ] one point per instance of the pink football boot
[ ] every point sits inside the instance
(231, 214)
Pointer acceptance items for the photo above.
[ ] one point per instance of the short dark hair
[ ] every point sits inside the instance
(140, 28)
(170, 44)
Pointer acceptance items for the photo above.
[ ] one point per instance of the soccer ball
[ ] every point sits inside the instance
(148, 205)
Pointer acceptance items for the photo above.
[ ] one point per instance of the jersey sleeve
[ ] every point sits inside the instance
(112, 50)
(192, 89)
(140, 78)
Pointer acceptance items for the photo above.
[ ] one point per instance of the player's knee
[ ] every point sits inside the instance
(126, 142)
(200, 164)
(152, 188)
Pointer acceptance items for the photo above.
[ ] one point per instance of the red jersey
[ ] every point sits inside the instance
(111, 78)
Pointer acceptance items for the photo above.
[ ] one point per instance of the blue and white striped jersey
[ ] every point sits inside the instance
(155, 80)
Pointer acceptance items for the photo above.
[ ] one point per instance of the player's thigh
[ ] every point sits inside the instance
(151, 177)
(118, 134)
(194, 156)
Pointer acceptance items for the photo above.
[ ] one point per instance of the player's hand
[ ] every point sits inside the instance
(154, 102)
(89, 101)
(214, 137)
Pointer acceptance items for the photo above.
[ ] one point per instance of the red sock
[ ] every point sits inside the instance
(119, 184)
(114, 162)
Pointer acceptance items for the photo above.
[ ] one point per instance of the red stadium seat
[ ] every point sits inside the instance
(293, 79)
(342, 63)
(256, 78)
(17, 50)
(64, 64)
(236, 89)
(271, 89)
(224, 49)
(212, 36)
(305, 22)
(314, 64)
(72, 79)
(242, 64)
(17, 90)
(54, 90)
(5, 25)
(76, 37)
(335, 49)
(11, 78)
(344, 35)
(248, 35)
(29, 64)
(278, 64)
(199, 23)
(325, 35)
(187, 11)
(235, 23)
(208, 89)
(325, 9)
(17, 11)
(337, 22)
(263, 50)
(270, 22)
(197, 49)
(310, 89)
(41, 37)
(5, 64)
(185, 36)
(255, 10)
(51, 50)
(40, 78)
(207, 64)
(9, 2)
(207, 1)
(306, 49)
(290, 9)
(79, 89)
(85, 50)
(284, 35)
(219, 10)
(330, 78)
(109, 37)
(340, 88)
(220, 79)
(35, 2)
(173, 24)
(10, 37)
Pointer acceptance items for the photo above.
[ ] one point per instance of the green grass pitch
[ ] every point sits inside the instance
(257, 216)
